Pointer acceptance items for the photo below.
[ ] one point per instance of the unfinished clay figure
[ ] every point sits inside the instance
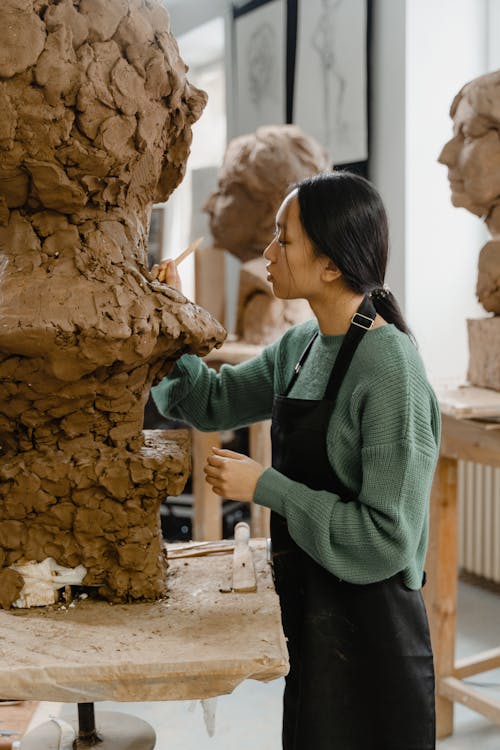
(257, 172)
(95, 125)
(473, 160)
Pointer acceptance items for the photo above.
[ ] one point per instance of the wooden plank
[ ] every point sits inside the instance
(260, 450)
(440, 593)
(478, 663)
(468, 401)
(207, 523)
(470, 441)
(210, 280)
(452, 689)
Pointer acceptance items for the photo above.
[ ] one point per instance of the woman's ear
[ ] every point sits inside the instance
(331, 272)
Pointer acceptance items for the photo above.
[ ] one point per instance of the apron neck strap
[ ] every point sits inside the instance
(361, 322)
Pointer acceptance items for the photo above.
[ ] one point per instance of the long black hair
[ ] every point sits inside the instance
(345, 219)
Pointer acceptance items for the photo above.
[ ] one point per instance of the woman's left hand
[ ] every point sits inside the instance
(232, 475)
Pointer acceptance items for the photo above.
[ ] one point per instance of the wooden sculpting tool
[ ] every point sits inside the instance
(198, 549)
(159, 271)
(244, 579)
(192, 247)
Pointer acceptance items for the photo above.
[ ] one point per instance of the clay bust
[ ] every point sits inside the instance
(95, 126)
(257, 172)
(473, 160)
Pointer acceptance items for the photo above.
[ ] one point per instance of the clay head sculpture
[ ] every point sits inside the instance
(473, 154)
(95, 125)
(257, 171)
(473, 160)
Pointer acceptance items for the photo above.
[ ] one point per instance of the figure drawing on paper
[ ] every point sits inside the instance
(261, 63)
(335, 129)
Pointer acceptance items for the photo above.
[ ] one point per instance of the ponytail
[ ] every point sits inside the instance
(386, 304)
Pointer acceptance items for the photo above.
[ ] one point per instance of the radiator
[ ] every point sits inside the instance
(479, 520)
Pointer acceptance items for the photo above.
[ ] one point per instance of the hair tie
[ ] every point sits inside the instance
(380, 292)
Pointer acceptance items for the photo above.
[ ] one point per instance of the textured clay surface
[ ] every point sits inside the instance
(488, 277)
(258, 171)
(95, 125)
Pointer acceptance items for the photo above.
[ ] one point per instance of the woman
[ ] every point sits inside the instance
(355, 436)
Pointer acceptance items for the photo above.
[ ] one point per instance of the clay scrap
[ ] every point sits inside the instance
(95, 126)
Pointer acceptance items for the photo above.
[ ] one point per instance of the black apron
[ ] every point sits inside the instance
(361, 670)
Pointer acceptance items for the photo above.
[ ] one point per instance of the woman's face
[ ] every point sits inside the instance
(293, 268)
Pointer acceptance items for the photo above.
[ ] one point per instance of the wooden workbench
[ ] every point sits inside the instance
(197, 643)
(470, 432)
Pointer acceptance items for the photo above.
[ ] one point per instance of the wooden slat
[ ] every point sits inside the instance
(470, 441)
(452, 689)
(260, 450)
(207, 505)
(210, 279)
(478, 663)
(440, 593)
(469, 401)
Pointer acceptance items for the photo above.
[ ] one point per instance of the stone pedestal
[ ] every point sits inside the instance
(484, 352)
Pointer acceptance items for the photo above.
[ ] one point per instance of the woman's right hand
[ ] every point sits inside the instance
(167, 273)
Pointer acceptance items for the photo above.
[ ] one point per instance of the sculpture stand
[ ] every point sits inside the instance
(115, 731)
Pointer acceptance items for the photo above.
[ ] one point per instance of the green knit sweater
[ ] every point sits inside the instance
(382, 442)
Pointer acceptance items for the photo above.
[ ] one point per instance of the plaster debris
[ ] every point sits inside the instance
(43, 580)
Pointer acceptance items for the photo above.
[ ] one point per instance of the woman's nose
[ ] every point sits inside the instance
(448, 155)
(268, 252)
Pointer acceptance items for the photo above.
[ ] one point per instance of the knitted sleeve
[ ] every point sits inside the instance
(235, 396)
(377, 535)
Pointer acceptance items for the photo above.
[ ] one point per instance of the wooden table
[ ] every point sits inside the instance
(469, 439)
(207, 505)
(199, 642)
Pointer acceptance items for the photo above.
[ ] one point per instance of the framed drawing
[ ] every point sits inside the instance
(259, 55)
(330, 99)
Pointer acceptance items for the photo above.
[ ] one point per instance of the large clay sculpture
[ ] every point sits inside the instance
(473, 160)
(95, 126)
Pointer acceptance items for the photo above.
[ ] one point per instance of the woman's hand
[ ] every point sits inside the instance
(166, 272)
(232, 475)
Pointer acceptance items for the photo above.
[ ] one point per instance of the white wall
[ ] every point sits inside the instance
(446, 45)
(423, 52)
(388, 128)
